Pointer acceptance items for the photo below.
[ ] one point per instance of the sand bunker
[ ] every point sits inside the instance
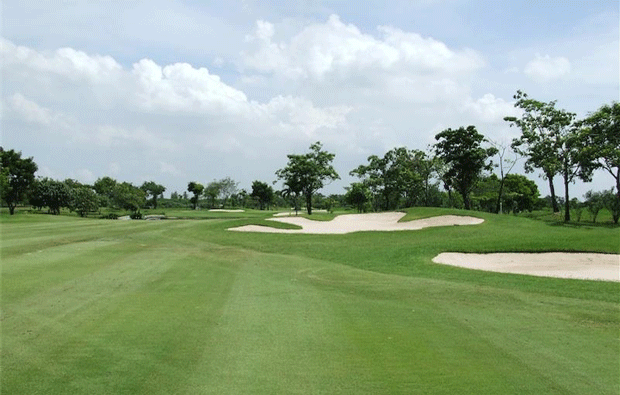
(360, 222)
(585, 266)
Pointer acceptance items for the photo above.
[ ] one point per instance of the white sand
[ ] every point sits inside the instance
(360, 222)
(587, 266)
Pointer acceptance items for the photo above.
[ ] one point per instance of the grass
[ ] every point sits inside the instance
(99, 306)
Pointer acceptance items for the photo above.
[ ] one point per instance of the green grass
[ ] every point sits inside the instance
(184, 306)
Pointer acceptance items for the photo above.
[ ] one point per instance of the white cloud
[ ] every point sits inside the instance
(490, 109)
(30, 111)
(545, 68)
(336, 48)
(67, 62)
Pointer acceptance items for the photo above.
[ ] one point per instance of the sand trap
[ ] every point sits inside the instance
(585, 266)
(221, 210)
(360, 222)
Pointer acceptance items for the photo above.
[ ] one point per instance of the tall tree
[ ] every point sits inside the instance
(547, 140)
(153, 190)
(212, 191)
(309, 172)
(104, 187)
(462, 152)
(357, 195)
(505, 166)
(263, 193)
(84, 200)
(196, 189)
(18, 176)
(599, 142)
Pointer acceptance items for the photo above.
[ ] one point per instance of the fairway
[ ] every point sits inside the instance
(95, 306)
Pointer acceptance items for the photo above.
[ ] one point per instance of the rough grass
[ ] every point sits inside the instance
(99, 307)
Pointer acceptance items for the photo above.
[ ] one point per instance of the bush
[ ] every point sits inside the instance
(136, 215)
(110, 216)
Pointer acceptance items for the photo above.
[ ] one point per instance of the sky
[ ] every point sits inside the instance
(180, 91)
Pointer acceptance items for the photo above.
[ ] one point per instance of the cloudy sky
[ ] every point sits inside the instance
(179, 91)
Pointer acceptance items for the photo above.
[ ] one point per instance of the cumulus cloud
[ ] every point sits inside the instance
(545, 68)
(334, 47)
(29, 111)
(490, 109)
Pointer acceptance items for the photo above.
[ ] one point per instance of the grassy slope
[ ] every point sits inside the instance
(93, 306)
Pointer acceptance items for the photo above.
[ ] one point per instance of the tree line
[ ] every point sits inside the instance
(456, 171)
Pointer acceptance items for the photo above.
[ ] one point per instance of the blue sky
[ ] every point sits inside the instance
(200, 90)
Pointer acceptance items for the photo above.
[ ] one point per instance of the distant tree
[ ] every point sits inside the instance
(594, 203)
(308, 172)
(18, 177)
(84, 200)
(612, 204)
(228, 187)
(521, 193)
(196, 189)
(212, 191)
(104, 187)
(357, 196)
(129, 197)
(263, 193)
(153, 190)
(462, 151)
(548, 140)
(599, 143)
(505, 165)
(50, 193)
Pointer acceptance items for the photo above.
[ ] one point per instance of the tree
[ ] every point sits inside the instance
(196, 189)
(394, 177)
(548, 140)
(153, 190)
(227, 188)
(129, 197)
(521, 193)
(262, 192)
(212, 191)
(599, 142)
(462, 151)
(357, 195)
(18, 176)
(503, 163)
(50, 193)
(105, 189)
(84, 200)
(612, 204)
(308, 172)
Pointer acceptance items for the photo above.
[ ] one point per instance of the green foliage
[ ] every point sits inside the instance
(129, 197)
(84, 200)
(308, 173)
(521, 193)
(263, 193)
(594, 203)
(196, 189)
(612, 203)
(50, 193)
(153, 190)
(357, 196)
(18, 177)
(104, 187)
(401, 176)
(462, 152)
(549, 141)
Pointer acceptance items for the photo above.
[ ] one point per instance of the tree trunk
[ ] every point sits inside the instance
(309, 203)
(498, 206)
(554, 203)
(11, 209)
(567, 201)
(466, 202)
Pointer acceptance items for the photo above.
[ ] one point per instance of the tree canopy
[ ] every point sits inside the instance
(263, 193)
(18, 177)
(308, 173)
(462, 152)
